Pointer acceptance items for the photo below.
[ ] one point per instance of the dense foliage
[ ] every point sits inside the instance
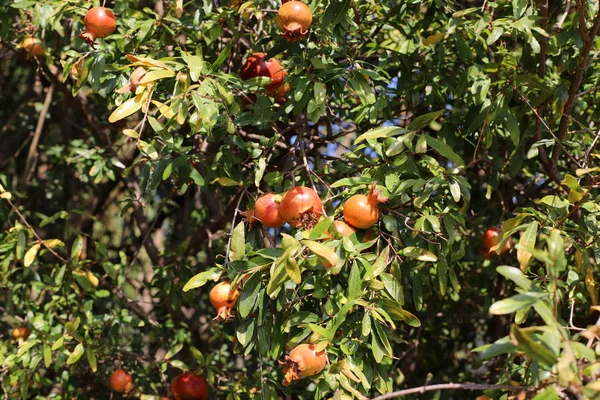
(130, 165)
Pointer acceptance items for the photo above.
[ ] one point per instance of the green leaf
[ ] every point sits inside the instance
(381, 263)
(245, 332)
(319, 330)
(534, 349)
(76, 249)
(354, 282)
(548, 393)
(423, 120)
(47, 355)
(555, 201)
(293, 270)
(445, 151)
(196, 65)
(419, 254)
(249, 295)
(515, 275)
(237, 249)
(91, 356)
(381, 132)
(76, 354)
(512, 304)
(200, 279)
(528, 239)
(395, 310)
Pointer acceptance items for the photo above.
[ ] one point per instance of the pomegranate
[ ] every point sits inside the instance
(294, 18)
(362, 211)
(223, 297)
(342, 228)
(301, 207)
(280, 93)
(99, 23)
(189, 386)
(266, 210)
(304, 361)
(33, 47)
(21, 333)
(120, 381)
(256, 65)
(490, 239)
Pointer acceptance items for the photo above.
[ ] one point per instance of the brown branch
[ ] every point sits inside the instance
(588, 41)
(29, 163)
(451, 386)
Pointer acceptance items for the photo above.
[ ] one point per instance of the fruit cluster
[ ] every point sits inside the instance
(300, 207)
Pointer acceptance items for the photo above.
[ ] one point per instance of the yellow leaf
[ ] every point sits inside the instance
(30, 255)
(156, 75)
(224, 181)
(131, 133)
(52, 243)
(595, 386)
(92, 278)
(164, 109)
(5, 195)
(149, 62)
(179, 8)
(321, 346)
(325, 253)
(434, 39)
(129, 107)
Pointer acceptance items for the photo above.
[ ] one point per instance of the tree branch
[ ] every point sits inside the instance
(451, 386)
(588, 41)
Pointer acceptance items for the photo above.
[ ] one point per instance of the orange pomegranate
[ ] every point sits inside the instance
(223, 297)
(120, 381)
(303, 361)
(362, 211)
(294, 18)
(33, 46)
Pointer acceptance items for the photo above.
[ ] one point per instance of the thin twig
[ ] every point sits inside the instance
(451, 386)
(40, 240)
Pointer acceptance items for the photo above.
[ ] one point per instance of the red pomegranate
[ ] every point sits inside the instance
(301, 207)
(189, 386)
(99, 23)
(266, 210)
(490, 239)
(256, 65)
(120, 381)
